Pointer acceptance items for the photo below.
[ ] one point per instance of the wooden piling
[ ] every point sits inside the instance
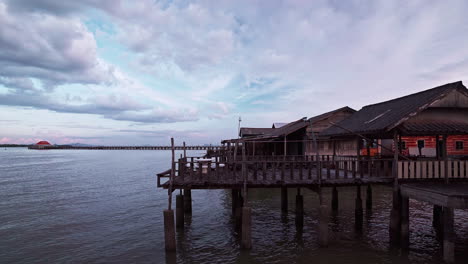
(334, 199)
(284, 199)
(299, 209)
(179, 211)
(246, 238)
(369, 198)
(188, 201)
(234, 200)
(323, 226)
(404, 223)
(358, 209)
(449, 236)
(169, 230)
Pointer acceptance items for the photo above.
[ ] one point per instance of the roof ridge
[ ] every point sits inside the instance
(445, 86)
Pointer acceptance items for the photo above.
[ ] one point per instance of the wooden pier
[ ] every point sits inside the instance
(214, 148)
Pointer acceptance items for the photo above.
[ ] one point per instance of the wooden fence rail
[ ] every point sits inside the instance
(432, 169)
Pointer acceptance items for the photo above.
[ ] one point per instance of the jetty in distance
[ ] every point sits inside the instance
(416, 145)
(214, 148)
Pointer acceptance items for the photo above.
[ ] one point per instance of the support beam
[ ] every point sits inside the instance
(437, 220)
(323, 226)
(246, 239)
(299, 209)
(358, 209)
(334, 201)
(179, 211)
(449, 236)
(284, 200)
(369, 198)
(404, 223)
(395, 213)
(188, 201)
(169, 230)
(234, 200)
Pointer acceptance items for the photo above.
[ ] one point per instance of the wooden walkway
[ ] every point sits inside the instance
(269, 175)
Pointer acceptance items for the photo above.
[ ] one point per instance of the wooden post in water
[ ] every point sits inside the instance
(449, 236)
(188, 201)
(334, 199)
(169, 226)
(234, 200)
(358, 209)
(404, 223)
(179, 211)
(246, 238)
(299, 209)
(369, 198)
(395, 214)
(322, 222)
(284, 200)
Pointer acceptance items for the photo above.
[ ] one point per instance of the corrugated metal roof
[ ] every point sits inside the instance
(384, 116)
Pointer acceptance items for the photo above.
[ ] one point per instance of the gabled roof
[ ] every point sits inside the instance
(43, 142)
(329, 114)
(278, 125)
(383, 117)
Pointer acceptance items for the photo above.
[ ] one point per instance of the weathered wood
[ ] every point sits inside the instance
(284, 199)
(188, 201)
(179, 211)
(449, 236)
(169, 230)
(404, 223)
(334, 201)
(246, 238)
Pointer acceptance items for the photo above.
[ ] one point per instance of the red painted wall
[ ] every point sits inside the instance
(430, 142)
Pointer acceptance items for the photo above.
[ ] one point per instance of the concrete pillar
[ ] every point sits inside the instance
(299, 209)
(323, 226)
(169, 230)
(179, 211)
(284, 200)
(246, 238)
(404, 223)
(369, 198)
(188, 201)
(358, 209)
(449, 236)
(334, 199)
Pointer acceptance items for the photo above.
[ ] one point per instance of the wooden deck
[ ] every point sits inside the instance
(271, 175)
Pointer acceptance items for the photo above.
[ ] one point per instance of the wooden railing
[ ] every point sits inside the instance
(437, 169)
(297, 169)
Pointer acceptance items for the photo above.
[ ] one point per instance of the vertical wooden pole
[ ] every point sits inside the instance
(449, 236)
(358, 209)
(246, 239)
(369, 198)
(437, 147)
(284, 200)
(299, 209)
(445, 152)
(285, 147)
(185, 150)
(404, 223)
(169, 230)
(395, 214)
(179, 211)
(334, 199)
(322, 222)
(188, 201)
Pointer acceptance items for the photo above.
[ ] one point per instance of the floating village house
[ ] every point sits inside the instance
(415, 143)
(290, 139)
(417, 121)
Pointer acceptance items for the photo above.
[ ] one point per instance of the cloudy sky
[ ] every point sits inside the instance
(138, 72)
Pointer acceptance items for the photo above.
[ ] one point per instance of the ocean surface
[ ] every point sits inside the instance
(102, 206)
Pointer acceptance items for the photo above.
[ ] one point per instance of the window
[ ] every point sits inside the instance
(458, 145)
(421, 143)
